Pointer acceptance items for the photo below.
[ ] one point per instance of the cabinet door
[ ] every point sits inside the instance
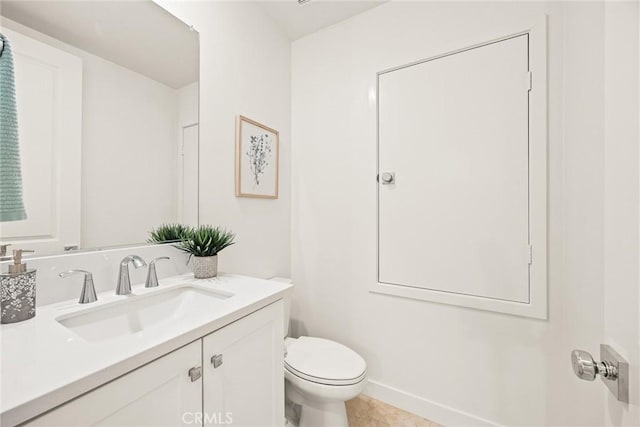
(160, 393)
(243, 371)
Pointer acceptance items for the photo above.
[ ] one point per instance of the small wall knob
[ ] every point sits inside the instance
(387, 178)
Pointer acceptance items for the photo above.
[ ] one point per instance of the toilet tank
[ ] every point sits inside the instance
(287, 303)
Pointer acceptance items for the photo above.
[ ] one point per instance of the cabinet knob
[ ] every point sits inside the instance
(216, 360)
(195, 373)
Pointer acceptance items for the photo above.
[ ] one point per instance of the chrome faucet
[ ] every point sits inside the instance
(124, 281)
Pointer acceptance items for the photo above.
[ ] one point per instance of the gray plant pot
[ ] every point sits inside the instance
(205, 267)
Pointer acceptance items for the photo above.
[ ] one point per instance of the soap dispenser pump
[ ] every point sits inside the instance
(18, 291)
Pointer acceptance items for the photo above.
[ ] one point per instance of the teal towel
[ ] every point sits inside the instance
(11, 203)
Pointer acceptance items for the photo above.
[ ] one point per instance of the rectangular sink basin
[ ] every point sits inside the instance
(141, 312)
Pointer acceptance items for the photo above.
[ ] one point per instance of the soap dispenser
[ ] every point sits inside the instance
(18, 290)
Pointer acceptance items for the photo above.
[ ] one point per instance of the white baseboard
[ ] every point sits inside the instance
(428, 409)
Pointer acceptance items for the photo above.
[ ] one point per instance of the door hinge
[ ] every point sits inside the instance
(529, 81)
(530, 255)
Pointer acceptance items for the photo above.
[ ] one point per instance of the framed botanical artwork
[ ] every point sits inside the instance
(256, 160)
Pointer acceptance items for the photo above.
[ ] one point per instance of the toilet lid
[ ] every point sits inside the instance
(324, 361)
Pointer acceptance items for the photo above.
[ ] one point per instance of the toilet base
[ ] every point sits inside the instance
(322, 414)
(317, 412)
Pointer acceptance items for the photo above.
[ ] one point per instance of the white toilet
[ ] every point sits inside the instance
(320, 375)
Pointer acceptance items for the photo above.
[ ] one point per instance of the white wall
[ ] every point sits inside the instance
(188, 105)
(454, 365)
(129, 162)
(187, 152)
(129, 145)
(245, 68)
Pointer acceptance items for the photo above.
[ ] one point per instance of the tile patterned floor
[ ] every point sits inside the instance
(364, 411)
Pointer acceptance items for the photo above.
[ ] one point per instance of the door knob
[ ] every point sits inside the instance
(613, 370)
(586, 368)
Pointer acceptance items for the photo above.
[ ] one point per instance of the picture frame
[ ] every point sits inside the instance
(257, 159)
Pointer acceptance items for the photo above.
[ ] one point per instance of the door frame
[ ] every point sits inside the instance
(65, 226)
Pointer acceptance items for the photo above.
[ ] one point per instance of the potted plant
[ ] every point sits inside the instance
(168, 233)
(203, 244)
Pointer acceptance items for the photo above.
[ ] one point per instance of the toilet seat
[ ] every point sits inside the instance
(324, 361)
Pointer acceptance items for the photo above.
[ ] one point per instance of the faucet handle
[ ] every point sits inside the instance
(152, 275)
(3, 249)
(88, 293)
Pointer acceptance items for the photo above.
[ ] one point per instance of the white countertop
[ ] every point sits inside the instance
(43, 364)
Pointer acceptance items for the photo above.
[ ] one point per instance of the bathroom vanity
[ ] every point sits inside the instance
(190, 352)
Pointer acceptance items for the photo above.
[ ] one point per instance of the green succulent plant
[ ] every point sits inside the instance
(169, 233)
(206, 240)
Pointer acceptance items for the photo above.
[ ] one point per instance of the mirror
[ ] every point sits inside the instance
(107, 106)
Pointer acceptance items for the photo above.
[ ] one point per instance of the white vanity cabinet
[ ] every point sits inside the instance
(156, 394)
(245, 386)
(243, 370)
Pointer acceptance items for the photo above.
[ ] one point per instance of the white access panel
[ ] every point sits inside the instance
(455, 131)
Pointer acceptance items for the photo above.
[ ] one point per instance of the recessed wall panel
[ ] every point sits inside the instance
(454, 132)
